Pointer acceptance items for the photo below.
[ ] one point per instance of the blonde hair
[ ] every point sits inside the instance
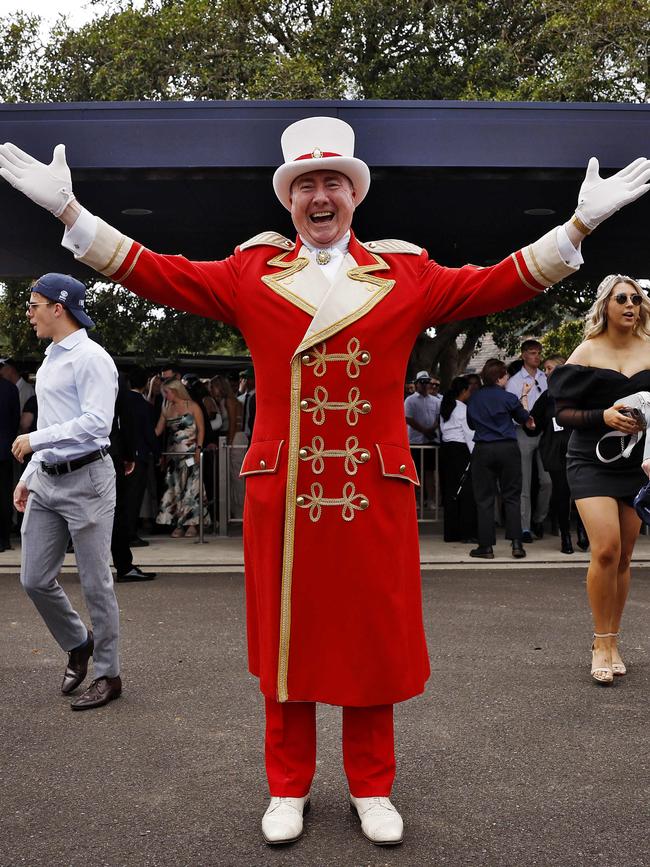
(596, 319)
(177, 386)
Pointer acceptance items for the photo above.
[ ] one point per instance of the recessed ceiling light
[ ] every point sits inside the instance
(535, 212)
(137, 212)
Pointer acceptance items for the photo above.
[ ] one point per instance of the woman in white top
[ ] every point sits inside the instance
(457, 444)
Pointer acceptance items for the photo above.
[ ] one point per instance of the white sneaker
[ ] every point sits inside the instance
(282, 822)
(380, 821)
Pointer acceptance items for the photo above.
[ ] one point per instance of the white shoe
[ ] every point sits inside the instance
(380, 821)
(282, 822)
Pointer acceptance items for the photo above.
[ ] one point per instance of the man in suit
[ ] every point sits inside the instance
(122, 451)
(333, 589)
(147, 448)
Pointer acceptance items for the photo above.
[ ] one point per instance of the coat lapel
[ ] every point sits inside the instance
(356, 289)
(293, 281)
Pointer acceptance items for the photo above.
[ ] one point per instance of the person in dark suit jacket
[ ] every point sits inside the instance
(122, 451)
(9, 420)
(147, 445)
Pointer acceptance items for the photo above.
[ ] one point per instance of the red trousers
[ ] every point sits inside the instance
(290, 748)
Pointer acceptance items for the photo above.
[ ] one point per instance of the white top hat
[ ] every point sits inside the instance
(317, 144)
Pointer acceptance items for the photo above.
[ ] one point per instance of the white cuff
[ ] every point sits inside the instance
(571, 255)
(79, 238)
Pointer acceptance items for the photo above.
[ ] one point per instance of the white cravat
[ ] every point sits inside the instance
(337, 253)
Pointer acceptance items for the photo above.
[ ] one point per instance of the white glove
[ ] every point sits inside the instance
(48, 186)
(599, 198)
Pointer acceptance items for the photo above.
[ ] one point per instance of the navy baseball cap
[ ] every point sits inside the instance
(67, 291)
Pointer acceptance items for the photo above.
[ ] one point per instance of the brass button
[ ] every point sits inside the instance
(365, 357)
(365, 407)
(303, 453)
(262, 465)
(402, 469)
(363, 503)
(300, 501)
(364, 456)
(306, 358)
(304, 404)
(287, 243)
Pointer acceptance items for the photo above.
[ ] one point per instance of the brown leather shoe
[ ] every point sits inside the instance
(77, 668)
(100, 692)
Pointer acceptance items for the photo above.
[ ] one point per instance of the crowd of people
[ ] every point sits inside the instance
(163, 420)
(502, 457)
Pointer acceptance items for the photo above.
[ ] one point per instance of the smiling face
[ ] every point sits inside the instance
(322, 205)
(624, 315)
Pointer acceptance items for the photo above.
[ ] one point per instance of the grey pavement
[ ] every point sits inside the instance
(511, 757)
(226, 554)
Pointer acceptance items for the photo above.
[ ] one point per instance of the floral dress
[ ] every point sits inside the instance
(180, 502)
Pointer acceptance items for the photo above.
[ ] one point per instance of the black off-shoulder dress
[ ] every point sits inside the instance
(588, 391)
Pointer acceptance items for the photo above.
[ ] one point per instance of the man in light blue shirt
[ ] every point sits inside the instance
(530, 382)
(68, 488)
(422, 411)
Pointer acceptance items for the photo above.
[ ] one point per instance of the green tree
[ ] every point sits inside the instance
(563, 339)
(17, 337)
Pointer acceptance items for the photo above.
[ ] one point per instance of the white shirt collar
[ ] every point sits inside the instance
(341, 246)
(70, 340)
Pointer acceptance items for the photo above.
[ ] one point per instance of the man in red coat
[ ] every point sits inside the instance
(334, 608)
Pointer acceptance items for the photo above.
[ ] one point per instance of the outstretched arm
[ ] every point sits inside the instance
(205, 288)
(461, 293)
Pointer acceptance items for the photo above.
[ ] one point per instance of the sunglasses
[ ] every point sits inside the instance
(29, 305)
(622, 298)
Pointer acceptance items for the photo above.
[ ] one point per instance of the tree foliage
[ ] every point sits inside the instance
(563, 339)
(555, 50)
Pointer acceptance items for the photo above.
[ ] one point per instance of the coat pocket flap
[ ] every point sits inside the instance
(396, 462)
(263, 457)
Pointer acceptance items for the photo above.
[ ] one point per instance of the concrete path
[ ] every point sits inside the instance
(226, 554)
(511, 758)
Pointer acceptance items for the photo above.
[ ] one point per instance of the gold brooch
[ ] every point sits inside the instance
(323, 257)
(317, 153)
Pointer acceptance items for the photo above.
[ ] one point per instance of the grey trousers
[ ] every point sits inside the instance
(82, 504)
(529, 448)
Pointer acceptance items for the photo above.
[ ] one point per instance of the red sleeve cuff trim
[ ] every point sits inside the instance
(524, 273)
(129, 263)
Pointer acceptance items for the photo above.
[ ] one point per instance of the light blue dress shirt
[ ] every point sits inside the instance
(515, 385)
(76, 387)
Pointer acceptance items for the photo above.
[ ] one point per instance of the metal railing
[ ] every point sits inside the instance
(428, 494)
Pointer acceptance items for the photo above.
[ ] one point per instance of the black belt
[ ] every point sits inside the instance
(64, 467)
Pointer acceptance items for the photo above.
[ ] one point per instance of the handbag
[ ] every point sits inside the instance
(638, 406)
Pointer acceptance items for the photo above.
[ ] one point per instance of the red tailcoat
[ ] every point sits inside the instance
(331, 548)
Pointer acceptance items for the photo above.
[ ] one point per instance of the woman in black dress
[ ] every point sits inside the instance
(611, 364)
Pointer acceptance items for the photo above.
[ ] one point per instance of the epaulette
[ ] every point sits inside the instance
(268, 239)
(392, 245)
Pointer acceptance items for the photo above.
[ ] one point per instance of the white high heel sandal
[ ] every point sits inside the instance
(601, 673)
(618, 668)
